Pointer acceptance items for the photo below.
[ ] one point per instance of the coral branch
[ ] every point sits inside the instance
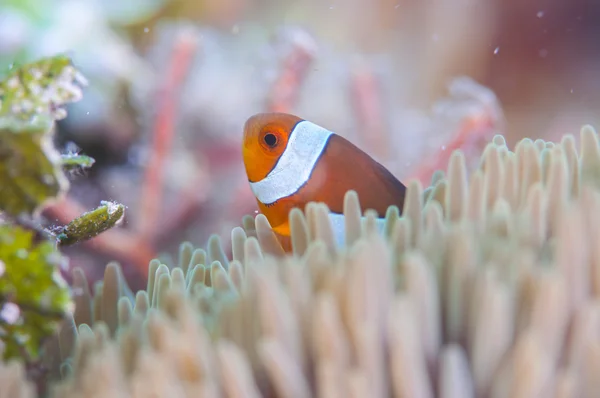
(472, 130)
(285, 91)
(164, 130)
(365, 93)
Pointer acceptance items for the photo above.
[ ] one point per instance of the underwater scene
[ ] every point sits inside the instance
(296, 199)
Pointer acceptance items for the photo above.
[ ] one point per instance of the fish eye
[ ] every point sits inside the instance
(270, 140)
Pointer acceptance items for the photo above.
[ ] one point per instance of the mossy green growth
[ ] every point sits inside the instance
(30, 170)
(33, 295)
(91, 223)
(73, 162)
(31, 99)
(40, 88)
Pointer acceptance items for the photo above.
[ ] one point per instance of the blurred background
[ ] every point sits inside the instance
(171, 83)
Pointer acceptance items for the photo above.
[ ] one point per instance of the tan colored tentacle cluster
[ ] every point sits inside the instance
(486, 286)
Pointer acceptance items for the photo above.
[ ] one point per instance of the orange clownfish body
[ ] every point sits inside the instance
(291, 162)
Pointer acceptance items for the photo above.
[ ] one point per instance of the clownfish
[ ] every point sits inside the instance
(290, 162)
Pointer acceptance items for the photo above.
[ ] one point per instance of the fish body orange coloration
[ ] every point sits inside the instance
(291, 162)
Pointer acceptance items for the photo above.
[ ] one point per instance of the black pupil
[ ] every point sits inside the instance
(270, 139)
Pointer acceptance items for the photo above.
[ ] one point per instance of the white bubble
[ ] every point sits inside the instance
(13, 82)
(496, 50)
(10, 313)
(111, 207)
(540, 14)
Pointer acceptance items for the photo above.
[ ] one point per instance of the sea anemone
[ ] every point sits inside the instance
(486, 286)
